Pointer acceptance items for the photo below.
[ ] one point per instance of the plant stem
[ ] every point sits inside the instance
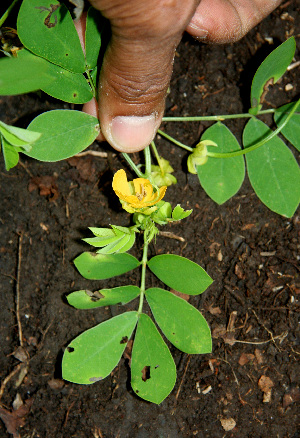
(155, 152)
(143, 277)
(163, 134)
(147, 162)
(215, 118)
(7, 12)
(257, 145)
(133, 166)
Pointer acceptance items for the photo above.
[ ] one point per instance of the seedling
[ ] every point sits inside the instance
(49, 57)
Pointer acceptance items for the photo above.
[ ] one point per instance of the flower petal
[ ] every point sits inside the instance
(120, 184)
(143, 185)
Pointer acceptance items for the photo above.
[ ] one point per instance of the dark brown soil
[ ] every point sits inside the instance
(250, 252)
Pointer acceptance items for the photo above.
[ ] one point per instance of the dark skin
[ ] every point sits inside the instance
(137, 66)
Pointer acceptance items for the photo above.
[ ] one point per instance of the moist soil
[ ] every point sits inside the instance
(247, 386)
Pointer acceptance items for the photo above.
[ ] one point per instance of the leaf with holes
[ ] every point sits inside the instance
(180, 273)
(180, 322)
(95, 353)
(85, 299)
(64, 134)
(153, 371)
(270, 70)
(273, 171)
(221, 178)
(46, 28)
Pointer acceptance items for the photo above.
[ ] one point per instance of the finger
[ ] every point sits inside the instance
(137, 67)
(224, 21)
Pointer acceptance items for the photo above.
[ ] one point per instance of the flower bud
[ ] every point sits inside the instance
(199, 156)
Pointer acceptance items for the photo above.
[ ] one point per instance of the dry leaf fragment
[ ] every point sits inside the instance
(228, 423)
(85, 167)
(292, 396)
(21, 354)
(214, 310)
(245, 358)
(56, 384)
(13, 420)
(265, 384)
(259, 357)
(46, 186)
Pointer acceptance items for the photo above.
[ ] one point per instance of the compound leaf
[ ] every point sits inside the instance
(180, 273)
(153, 371)
(102, 266)
(64, 134)
(221, 178)
(180, 322)
(95, 353)
(84, 299)
(273, 171)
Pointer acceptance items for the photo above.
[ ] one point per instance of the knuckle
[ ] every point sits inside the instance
(147, 90)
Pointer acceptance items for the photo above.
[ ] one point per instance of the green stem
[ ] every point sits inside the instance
(132, 165)
(163, 134)
(91, 82)
(260, 143)
(147, 162)
(143, 277)
(215, 118)
(157, 157)
(7, 12)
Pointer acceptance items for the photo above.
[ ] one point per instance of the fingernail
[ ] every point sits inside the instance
(132, 133)
(197, 32)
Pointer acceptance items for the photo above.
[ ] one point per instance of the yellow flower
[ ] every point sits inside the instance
(138, 193)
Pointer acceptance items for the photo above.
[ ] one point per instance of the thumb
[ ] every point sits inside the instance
(137, 67)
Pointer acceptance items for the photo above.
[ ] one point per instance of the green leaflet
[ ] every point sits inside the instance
(273, 171)
(117, 240)
(153, 371)
(270, 70)
(180, 273)
(23, 75)
(95, 353)
(18, 136)
(64, 134)
(46, 28)
(180, 322)
(84, 299)
(221, 178)
(102, 266)
(94, 26)
(10, 154)
(291, 131)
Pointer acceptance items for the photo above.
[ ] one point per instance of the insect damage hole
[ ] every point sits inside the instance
(146, 373)
(70, 349)
(124, 340)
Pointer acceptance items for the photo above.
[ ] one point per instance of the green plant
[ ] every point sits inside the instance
(95, 353)
(51, 59)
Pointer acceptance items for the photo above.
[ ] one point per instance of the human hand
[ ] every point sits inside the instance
(137, 65)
